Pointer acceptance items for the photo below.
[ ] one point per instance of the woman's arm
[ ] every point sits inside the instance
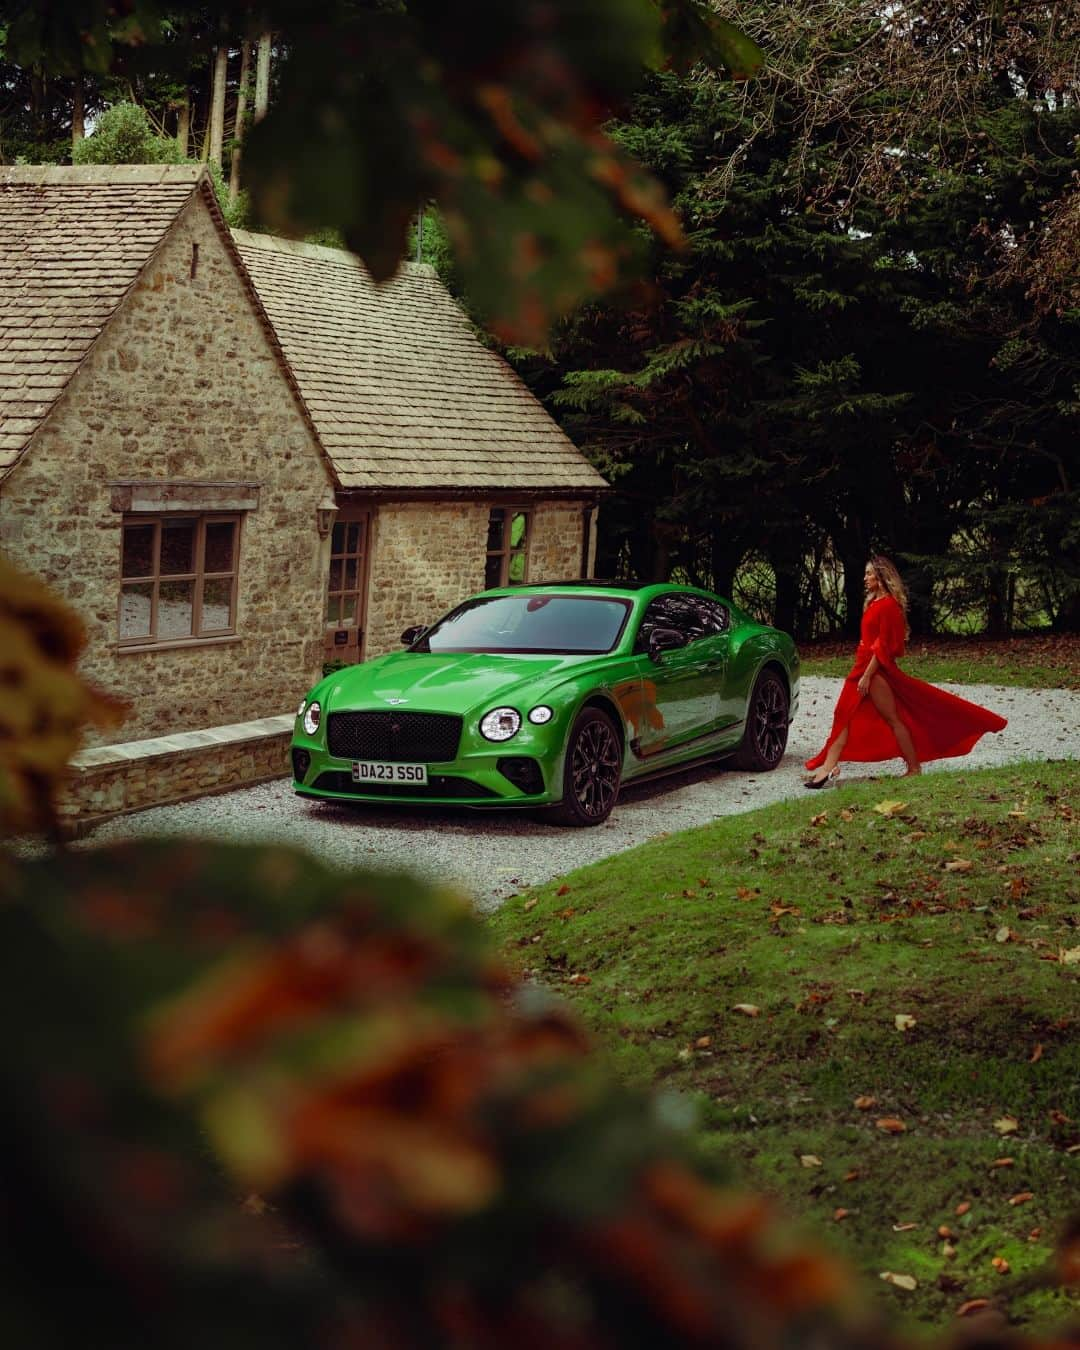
(867, 676)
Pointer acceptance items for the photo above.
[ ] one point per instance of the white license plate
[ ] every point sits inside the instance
(378, 771)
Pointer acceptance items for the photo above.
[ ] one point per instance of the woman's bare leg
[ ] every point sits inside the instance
(832, 758)
(882, 698)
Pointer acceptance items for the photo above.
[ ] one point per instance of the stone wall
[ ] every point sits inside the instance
(183, 385)
(426, 556)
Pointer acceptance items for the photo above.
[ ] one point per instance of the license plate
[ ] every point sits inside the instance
(378, 771)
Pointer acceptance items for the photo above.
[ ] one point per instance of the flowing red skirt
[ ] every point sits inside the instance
(941, 725)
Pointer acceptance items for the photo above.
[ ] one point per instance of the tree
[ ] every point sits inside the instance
(123, 135)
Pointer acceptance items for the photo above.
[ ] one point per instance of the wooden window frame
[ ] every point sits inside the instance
(505, 553)
(198, 577)
(362, 557)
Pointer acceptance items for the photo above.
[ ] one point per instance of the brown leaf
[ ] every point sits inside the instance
(973, 1305)
(1003, 934)
(747, 1009)
(948, 1250)
(839, 1214)
(745, 893)
(890, 1125)
(820, 818)
(963, 1207)
(904, 1021)
(904, 1227)
(1036, 1054)
(1034, 1235)
(959, 865)
(529, 904)
(853, 1175)
(567, 913)
(1002, 1162)
(580, 979)
(1059, 1117)
(908, 1282)
(810, 1160)
(847, 816)
(890, 808)
(1006, 1125)
(563, 890)
(944, 1231)
(1021, 1197)
(703, 1042)
(1000, 1265)
(865, 1103)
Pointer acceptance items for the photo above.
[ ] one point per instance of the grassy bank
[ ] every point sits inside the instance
(874, 993)
(1043, 662)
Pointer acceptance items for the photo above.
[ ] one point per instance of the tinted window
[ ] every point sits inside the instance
(692, 615)
(530, 623)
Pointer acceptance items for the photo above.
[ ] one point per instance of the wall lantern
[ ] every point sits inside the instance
(324, 515)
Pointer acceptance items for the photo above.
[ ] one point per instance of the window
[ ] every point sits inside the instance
(343, 593)
(178, 578)
(507, 547)
(693, 615)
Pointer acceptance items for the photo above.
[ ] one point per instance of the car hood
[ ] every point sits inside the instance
(448, 682)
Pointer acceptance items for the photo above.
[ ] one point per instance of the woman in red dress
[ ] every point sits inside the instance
(881, 712)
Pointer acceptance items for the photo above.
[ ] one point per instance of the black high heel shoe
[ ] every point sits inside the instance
(816, 783)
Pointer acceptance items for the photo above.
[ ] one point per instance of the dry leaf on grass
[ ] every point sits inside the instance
(904, 1227)
(810, 1160)
(847, 816)
(1070, 956)
(963, 1207)
(973, 1305)
(890, 1125)
(904, 1021)
(890, 808)
(1006, 1125)
(747, 1009)
(944, 1231)
(1036, 1054)
(839, 1214)
(1003, 934)
(580, 979)
(563, 890)
(820, 818)
(529, 904)
(908, 1282)
(703, 1043)
(1002, 1162)
(959, 865)
(1000, 1265)
(1021, 1197)
(865, 1103)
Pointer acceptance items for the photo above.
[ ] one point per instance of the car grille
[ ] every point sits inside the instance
(417, 738)
(439, 785)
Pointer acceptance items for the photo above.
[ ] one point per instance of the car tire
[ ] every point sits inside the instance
(765, 736)
(591, 772)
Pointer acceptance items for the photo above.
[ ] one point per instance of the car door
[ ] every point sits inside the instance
(681, 689)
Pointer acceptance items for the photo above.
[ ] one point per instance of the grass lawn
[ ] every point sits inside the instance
(762, 964)
(1042, 662)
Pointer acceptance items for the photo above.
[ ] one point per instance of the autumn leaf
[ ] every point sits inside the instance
(908, 1282)
(1000, 1265)
(1002, 1162)
(853, 1175)
(890, 808)
(820, 818)
(747, 1009)
(904, 1021)
(865, 1103)
(746, 893)
(847, 816)
(1006, 1125)
(1021, 1197)
(530, 904)
(703, 1042)
(904, 1227)
(839, 1214)
(1003, 934)
(1070, 956)
(580, 979)
(810, 1160)
(890, 1125)
(563, 890)
(944, 1231)
(973, 1305)
(962, 1208)
(959, 865)
(1036, 1054)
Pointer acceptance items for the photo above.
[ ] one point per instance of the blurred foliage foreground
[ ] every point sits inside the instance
(248, 1101)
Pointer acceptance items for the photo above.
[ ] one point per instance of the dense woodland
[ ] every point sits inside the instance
(869, 337)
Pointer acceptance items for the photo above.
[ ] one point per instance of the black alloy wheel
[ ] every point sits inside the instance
(765, 737)
(592, 771)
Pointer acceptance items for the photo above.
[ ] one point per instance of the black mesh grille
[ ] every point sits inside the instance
(301, 762)
(438, 785)
(417, 738)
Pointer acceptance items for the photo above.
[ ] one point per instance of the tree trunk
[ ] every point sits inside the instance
(78, 112)
(785, 566)
(183, 126)
(217, 104)
(262, 77)
(238, 129)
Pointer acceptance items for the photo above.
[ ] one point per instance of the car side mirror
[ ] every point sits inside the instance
(664, 640)
(411, 634)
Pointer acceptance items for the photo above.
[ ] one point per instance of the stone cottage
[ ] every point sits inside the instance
(237, 458)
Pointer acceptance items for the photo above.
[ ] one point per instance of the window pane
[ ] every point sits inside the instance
(493, 570)
(135, 609)
(220, 540)
(348, 609)
(338, 542)
(138, 559)
(335, 575)
(354, 539)
(350, 574)
(495, 528)
(177, 546)
(517, 530)
(333, 609)
(216, 604)
(516, 572)
(174, 609)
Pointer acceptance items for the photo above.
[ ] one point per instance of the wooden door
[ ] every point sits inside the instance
(346, 589)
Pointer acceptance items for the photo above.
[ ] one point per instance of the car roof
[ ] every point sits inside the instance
(627, 590)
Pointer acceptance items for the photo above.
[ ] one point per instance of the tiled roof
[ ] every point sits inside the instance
(402, 393)
(72, 241)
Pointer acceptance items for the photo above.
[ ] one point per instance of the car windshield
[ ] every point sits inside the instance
(546, 624)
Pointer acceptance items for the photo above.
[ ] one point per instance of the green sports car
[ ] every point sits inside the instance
(551, 696)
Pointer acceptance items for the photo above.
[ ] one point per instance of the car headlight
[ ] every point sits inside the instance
(303, 705)
(312, 718)
(541, 714)
(500, 724)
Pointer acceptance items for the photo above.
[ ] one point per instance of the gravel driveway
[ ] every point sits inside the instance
(492, 856)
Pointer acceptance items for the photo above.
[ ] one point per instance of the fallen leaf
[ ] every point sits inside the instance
(1059, 1117)
(908, 1282)
(563, 890)
(1070, 957)
(1002, 1162)
(847, 816)
(865, 1103)
(1007, 1125)
(820, 818)
(944, 1231)
(703, 1042)
(1000, 1265)
(890, 808)
(1036, 1054)
(1003, 934)
(904, 1227)
(904, 1021)
(948, 1251)
(916, 835)
(529, 904)
(810, 1160)
(839, 1214)
(959, 865)
(1021, 1197)
(748, 1009)
(567, 913)
(745, 893)
(890, 1125)
(1035, 1235)
(580, 979)
(853, 1175)
(963, 1207)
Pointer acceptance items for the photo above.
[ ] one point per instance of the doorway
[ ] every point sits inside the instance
(346, 590)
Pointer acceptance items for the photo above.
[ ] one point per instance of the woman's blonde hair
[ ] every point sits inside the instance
(889, 578)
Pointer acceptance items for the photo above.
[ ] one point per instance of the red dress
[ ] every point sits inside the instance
(941, 724)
